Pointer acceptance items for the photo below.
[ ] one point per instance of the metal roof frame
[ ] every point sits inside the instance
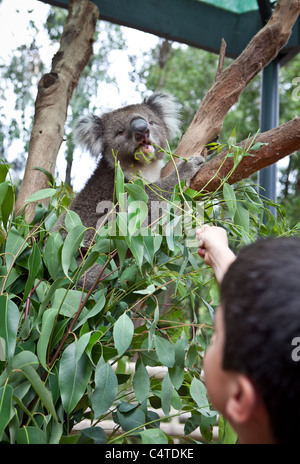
(201, 25)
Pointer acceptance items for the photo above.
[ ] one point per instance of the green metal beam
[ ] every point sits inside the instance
(192, 22)
(187, 21)
(269, 118)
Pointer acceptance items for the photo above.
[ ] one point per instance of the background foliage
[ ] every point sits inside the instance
(65, 349)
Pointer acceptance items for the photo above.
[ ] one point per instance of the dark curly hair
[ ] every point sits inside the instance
(260, 294)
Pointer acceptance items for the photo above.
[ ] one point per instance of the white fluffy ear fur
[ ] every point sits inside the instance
(88, 134)
(169, 109)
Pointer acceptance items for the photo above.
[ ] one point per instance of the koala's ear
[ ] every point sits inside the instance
(167, 108)
(88, 133)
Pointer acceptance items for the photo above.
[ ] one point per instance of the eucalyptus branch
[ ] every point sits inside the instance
(74, 320)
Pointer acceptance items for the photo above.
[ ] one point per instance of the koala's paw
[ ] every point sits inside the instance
(188, 169)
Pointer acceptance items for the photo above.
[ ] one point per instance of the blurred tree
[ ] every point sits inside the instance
(22, 74)
(108, 37)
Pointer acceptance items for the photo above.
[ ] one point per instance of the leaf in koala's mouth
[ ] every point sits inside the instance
(145, 152)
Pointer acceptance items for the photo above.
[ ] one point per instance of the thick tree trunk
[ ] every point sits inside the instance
(54, 92)
(231, 82)
(282, 141)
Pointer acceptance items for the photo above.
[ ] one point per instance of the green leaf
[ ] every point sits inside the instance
(165, 351)
(9, 322)
(230, 199)
(182, 268)
(48, 320)
(120, 186)
(133, 419)
(5, 406)
(141, 382)
(24, 358)
(56, 284)
(169, 232)
(52, 257)
(30, 436)
(226, 433)
(4, 169)
(157, 243)
(11, 278)
(81, 345)
(41, 195)
(39, 388)
(198, 393)
(209, 307)
(74, 376)
(56, 431)
(103, 246)
(122, 248)
(72, 220)
(106, 390)
(15, 244)
(123, 333)
(71, 245)
(176, 375)
(232, 138)
(40, 212)
(258, 145)
(3, 190)
(153, 326)
(92, 312)
(7, 205)
(137, 248)
(241, 217)
(154, 436)
(137, 213)
(50, 220)
(149, 249)
(180, 348)
(94, 435)
(28, 413)
(176, 400)
(47, 173)
(137, 192)
(2, 349)
(166, 394)
(67, 301)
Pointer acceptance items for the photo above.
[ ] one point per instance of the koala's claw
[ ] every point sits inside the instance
(189, 168)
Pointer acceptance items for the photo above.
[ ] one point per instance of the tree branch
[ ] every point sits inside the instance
(54, 92)
(231, 82)
(282, 141)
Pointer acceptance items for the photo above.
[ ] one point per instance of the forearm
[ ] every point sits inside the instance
(221, 262)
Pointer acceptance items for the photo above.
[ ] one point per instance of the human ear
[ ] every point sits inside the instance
(241, 401)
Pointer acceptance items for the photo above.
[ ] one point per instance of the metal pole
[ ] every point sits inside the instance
(269, 118)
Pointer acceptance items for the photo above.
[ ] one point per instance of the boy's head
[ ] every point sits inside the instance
(260, 318)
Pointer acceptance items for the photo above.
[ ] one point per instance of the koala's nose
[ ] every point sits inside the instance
(140, 128)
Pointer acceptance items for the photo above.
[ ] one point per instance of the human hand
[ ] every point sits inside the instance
(214, 249)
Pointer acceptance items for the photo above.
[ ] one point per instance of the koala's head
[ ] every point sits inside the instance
(134, 134)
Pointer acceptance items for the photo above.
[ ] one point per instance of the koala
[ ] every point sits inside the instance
(135, 135)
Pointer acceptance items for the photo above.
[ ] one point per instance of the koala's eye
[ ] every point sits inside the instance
(151, 123)
(121, 132)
